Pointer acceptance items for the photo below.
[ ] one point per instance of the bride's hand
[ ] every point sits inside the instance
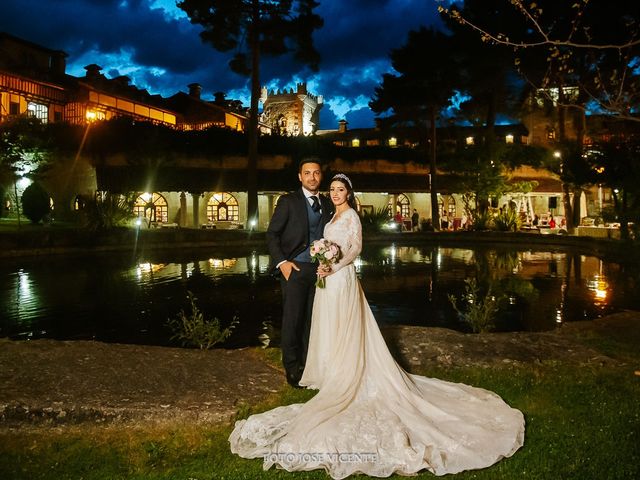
(324, 270)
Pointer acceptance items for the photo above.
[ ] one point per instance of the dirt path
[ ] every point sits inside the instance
(47, 382)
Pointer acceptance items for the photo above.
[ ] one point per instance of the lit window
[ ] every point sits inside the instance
(393, 142)
(153, 206)
(223, 207)
(403, 205)
(446, 205)
(355, 142)
(470, 141)
(508, 138)
(79, 203)
(93, 115)
(39, 111)
(373, 143)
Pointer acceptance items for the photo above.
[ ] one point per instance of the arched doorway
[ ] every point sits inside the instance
(403, 205)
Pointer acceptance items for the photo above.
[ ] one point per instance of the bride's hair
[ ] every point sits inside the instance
(346, 181)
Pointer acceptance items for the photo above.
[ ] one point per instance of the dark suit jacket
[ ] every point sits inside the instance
(288, 232)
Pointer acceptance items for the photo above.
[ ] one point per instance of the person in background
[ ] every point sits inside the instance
(415, 220)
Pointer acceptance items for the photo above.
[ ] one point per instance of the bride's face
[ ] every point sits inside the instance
(338, 193)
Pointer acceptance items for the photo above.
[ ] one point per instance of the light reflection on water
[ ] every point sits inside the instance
(116, 299)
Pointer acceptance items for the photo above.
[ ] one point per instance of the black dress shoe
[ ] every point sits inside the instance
(293, 379)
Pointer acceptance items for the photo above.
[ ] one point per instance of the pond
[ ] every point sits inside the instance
(117, 298)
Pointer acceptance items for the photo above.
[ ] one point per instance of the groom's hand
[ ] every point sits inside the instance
(286, 269)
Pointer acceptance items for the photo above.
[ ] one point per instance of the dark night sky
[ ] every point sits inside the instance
(153, 43)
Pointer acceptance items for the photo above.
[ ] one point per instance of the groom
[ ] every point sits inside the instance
(299, 219)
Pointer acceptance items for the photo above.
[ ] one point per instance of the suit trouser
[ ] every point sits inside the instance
(297, 304)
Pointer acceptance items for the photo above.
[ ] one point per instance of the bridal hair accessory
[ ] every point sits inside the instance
(343, 177)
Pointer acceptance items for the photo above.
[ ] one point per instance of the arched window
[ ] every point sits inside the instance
(152, 206)
(447, 204)
(403, 205)
(79, 203)
(223, 207)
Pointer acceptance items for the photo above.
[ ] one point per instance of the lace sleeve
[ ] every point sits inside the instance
(353, 245)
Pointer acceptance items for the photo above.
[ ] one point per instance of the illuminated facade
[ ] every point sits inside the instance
(33, 82)
(292, 113)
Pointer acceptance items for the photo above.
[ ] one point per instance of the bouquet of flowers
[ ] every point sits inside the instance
(326, 253)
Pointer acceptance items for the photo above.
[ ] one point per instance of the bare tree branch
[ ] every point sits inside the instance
(545, 40)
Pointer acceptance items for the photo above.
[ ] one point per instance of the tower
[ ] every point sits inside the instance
(290, 112)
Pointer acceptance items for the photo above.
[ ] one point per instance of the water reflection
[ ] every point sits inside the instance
(115, 299)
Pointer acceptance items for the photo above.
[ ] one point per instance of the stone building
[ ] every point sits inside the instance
(290, 112)
(208, 191)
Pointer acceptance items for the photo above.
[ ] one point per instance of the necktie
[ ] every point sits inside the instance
(316, 204)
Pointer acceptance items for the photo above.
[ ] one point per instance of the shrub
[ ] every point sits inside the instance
(481, 311)
(482, 221)
(35, 202)
(507, 221)
(104, 211)
(192, 328)
(375, 220)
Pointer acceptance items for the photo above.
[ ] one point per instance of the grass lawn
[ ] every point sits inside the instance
(582, 423)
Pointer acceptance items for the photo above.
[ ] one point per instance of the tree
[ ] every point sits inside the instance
(576, 55)
(270, 27)
(24, 151)
(594, 41)
(616, 165)
(422, 89)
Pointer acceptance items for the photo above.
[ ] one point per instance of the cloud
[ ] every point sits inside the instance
(154, 43)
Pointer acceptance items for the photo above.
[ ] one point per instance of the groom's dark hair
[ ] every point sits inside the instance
(304, 160)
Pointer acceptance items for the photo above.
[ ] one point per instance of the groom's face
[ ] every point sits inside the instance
(310, 176)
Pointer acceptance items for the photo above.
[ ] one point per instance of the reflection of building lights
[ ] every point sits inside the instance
(24, 286)
(148, 267)
(254, 260)
(558, 315)
(392, 253)
(600, 288)
(218, 263)
(557, 154)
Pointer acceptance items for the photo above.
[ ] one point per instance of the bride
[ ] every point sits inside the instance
(370, 416)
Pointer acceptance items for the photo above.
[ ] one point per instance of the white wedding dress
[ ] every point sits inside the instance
(371, 416)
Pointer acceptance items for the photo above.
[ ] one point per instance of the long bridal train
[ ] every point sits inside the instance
(371, 416)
